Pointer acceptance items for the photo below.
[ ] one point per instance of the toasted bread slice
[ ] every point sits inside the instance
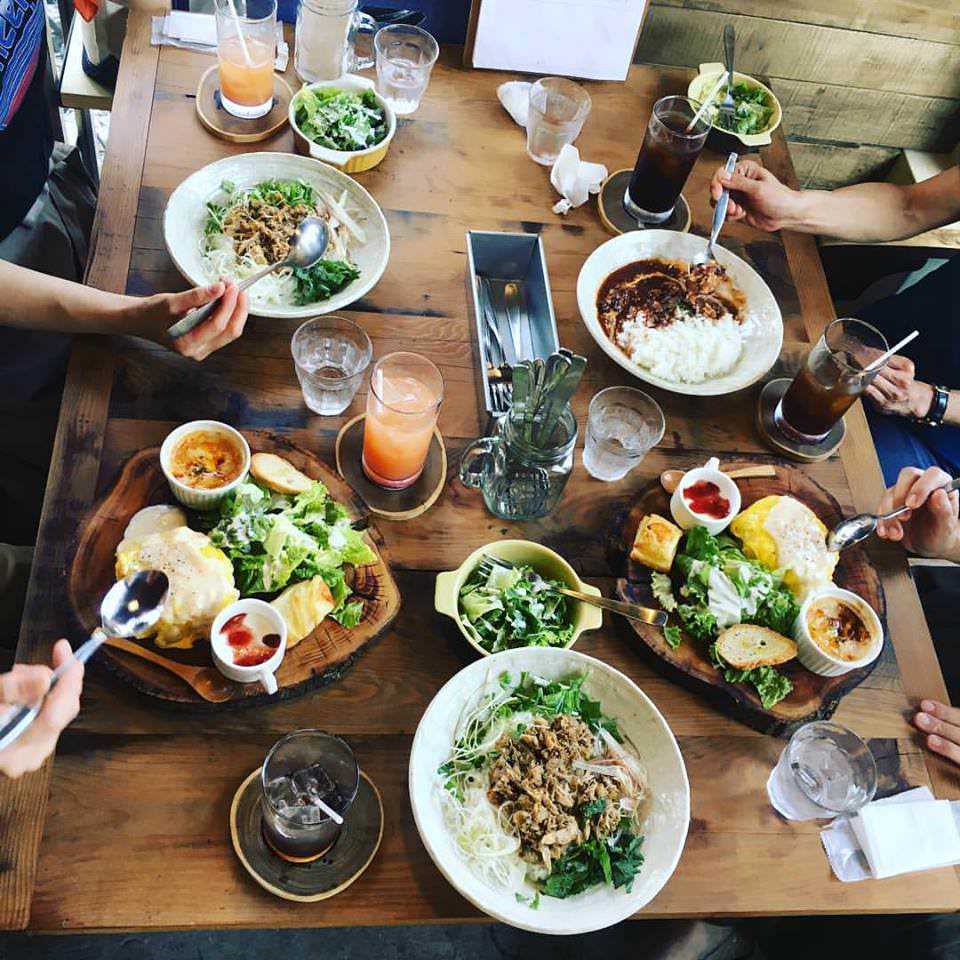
(303, 606)
(278, 474)
(745, 646)
(655, 544)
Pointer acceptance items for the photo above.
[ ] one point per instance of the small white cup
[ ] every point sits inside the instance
(223, 653)
(685, 518)
(189, 496)
(814, 657)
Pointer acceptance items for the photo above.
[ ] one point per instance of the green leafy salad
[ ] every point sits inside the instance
(274, 540)
(540, 790)
(719, 587)
(340, 119)
(246, 229)
(504, 609)
(751, 110)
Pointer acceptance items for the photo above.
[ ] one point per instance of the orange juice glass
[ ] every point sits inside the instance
(402, 406)
(246, 48)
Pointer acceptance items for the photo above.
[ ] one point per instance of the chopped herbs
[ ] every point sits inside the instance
(615, 861)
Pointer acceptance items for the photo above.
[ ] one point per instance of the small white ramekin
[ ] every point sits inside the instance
(685, 518)
(223, 657)
(817, 660)
(188, 496)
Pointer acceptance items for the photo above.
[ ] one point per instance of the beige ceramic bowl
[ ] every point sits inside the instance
(701, 85)
(814, 657)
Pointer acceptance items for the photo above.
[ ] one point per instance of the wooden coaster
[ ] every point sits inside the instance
(393, 504)
(235, 129)
(804, 452)
(615, 217)
(319, 879)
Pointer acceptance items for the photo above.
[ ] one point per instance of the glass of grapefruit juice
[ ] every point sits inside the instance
(246, 48)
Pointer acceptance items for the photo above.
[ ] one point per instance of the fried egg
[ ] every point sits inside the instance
(200, 574)
(786, 535)
(155, 519)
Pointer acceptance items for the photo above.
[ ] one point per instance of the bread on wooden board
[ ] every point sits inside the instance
(746, 646)
(278, 474)
(655, 544)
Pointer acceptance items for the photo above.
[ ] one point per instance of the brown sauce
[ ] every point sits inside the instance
(206, 460)
(838, 629)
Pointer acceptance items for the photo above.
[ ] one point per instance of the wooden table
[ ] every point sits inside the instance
(133, 815)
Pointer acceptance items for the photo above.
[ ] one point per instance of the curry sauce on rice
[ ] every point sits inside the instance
(682, 322)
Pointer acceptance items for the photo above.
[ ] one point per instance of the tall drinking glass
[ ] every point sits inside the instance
(666, 158)
(246, 48)
(558, 110)
(623, 425)
(830, 380)
(405, 56)
(402, 406)
(304, 769)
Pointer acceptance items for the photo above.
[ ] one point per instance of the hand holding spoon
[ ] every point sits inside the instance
(308, 245)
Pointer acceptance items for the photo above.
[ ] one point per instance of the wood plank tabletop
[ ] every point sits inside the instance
(134, 812)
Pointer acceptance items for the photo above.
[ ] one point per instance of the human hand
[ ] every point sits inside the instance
(756, 196)
(24, 685)
(896, 391)
(941, 724)
(931, 527)
(154, 315)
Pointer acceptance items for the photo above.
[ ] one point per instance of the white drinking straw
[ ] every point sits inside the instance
(881, 360)
(243, 39)
(703, 106)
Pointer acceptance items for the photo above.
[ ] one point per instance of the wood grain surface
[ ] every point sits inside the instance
(813, 697)
(136, 830)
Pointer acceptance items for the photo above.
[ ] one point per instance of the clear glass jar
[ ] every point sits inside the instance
(520, 479)
(332, 38)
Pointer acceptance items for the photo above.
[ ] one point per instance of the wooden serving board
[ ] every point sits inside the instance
(813, 697)
(318, 659)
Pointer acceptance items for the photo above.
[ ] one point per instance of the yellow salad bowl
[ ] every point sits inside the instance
(549, 564)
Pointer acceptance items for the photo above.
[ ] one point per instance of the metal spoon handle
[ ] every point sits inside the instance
(720, 211)
(631, 610)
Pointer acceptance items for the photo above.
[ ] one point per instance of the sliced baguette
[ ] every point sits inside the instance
(746, 646)
(278, 474)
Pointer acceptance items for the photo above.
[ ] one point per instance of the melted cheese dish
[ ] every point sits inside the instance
(838, 629)
(206, 460)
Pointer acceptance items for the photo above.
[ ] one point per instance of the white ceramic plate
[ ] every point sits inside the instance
(760, 348)
(666, 827)
(186, 213)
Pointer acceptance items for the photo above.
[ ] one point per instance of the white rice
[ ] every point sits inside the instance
(689, 350)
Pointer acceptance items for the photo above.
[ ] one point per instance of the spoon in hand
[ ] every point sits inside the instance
(307, 246)
(848, 532)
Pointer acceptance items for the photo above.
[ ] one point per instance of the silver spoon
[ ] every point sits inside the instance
(308, 245)
(720, 212)
(848, 532)
(130, 608)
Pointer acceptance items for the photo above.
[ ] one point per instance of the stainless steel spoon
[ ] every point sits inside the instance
(130, 608)
(308, 245)
(720, 212)
(854, 529)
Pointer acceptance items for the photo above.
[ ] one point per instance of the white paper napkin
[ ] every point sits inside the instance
(575, 179)
(789, 800)
(198, 31)
(515, 97)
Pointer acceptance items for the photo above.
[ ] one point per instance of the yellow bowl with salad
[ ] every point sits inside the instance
(343, 122)
(757, 111)
(499, 611)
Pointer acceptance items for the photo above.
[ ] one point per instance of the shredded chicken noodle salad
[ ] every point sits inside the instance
(247, 229)
(540, 793)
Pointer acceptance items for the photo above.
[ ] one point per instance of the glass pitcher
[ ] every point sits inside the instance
(521, 479)
(332, 38)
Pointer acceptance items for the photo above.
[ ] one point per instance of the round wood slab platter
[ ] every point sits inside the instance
(318, 659)
(813, 697)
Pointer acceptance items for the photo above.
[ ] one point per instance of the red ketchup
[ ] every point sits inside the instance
(704, 497)
(248, 650)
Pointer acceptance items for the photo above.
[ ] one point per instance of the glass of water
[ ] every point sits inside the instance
(623, 425)
(405, 57)
(830, 766)
(306, 776)
(331, 355)
(558, 110)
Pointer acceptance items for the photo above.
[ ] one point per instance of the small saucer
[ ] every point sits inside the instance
(804, 452)
(319, 879)
(235, 129)
(392, 504)
(615, 217)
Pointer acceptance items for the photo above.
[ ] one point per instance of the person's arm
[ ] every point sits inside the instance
(931, 527)
(35, 301)
(896, 391)
(874, 212)
(941, 724)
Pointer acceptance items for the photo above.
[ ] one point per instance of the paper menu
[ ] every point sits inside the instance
(594, 39)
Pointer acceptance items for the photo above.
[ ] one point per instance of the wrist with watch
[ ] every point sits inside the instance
(938, 407)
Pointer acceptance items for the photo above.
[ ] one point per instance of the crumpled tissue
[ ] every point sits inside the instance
(515, 97)
(575, 179)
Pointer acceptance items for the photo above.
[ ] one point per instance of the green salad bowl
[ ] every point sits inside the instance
(545, 561)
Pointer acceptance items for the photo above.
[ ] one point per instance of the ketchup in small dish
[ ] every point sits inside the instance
(704, 498)
(248, 647)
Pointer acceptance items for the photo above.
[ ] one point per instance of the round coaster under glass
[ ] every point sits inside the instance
(616, 218)
(774, 437)
(392, 504)
(317, 879)
(235, 129)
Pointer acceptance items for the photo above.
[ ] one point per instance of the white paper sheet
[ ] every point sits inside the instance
(578, 38)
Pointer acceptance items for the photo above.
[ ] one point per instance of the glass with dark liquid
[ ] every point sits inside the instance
(303, 772)
(833, 376)
(665, 160)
